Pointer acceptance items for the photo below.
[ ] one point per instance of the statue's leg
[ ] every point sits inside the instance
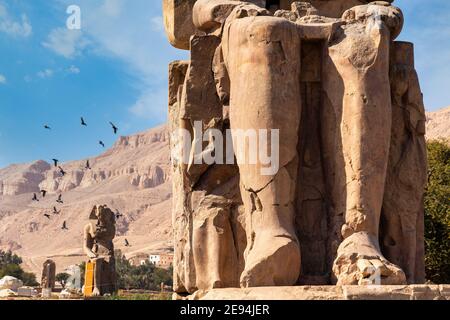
(263, 60)
(97, 277)
(359, 58)
(402, 215)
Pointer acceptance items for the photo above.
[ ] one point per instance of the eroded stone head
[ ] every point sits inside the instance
(102, 214)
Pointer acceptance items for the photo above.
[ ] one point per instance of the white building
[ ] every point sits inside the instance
(162, 260)
(155, 259)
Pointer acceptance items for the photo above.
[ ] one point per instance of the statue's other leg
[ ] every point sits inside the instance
(263, 60)
(113, 275)
(403, 208)
(109, 276)
(359, 54)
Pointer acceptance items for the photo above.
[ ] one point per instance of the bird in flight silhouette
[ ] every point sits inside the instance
(47, 216)
(88, 165)
(55, 211)
(55, 162)
(60, 199)
(115, 129)
(83, 123)
(64, 226)
(101, 143)
(62, 172)
(127, 244)
(118, 214)
(47, 127)
(44, 193)
(35, 198)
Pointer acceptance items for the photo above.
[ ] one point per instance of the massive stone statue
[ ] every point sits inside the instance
(346, 204)
(98, 246)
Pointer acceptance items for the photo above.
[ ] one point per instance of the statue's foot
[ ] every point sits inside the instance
(96, 292)
(273, 261)
(360, 262)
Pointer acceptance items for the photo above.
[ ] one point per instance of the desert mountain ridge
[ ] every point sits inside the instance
(438, 124)
(132, 177)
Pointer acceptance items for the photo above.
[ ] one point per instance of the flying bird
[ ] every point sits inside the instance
(35, 198)
(118, 214)
(47, 216)
(62, 172)
(88, 165)
(64, 226)
(47, 127)
(55, 211)
(115, 129)
(83, 123)
(127, 244)
(101, 143)
(44, 193)
(60, 199)
(55, 161)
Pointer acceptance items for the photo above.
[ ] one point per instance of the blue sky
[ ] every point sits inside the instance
(115, 69)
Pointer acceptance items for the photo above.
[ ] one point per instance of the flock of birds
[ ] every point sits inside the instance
(62, 172)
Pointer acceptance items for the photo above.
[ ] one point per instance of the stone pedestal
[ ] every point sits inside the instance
(89, 279)
(411, 292)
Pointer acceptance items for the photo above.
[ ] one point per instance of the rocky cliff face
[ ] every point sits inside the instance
(438, 124)
(126, 160)
(22, 178)
(131, 177)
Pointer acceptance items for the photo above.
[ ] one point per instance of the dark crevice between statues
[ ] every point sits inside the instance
(311, 211)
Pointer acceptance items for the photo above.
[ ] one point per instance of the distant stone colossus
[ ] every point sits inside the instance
(346, 205)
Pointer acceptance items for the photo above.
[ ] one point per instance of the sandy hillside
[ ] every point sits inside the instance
(132, 177)
(438, 124)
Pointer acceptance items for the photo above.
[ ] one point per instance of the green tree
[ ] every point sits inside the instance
(437, 213)
(29, 279)
(144, 277)
(10, 266)
(123, 271)
(62, 278)
(163, 276)
(7, 257)
(13, 270)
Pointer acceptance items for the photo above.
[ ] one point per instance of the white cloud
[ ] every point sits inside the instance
(73, 69)
(112, 8)
(65, 42)
(2, 79)
(133, 32)
(13, 26)
(49, 73)
(44, 74)
(151, 105)
(157, 23)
